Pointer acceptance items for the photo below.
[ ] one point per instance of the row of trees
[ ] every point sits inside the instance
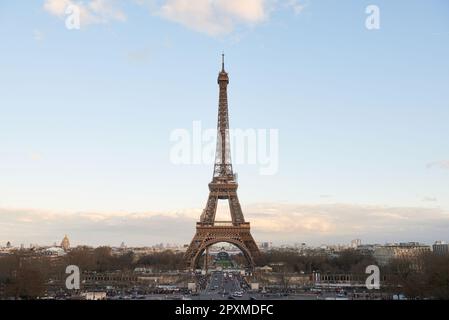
(26, 276)
(163, 261)
(427, 277)
(22, 277)
(348, 261)
(99, 259)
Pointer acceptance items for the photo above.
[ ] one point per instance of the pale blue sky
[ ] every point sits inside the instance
(86, 115)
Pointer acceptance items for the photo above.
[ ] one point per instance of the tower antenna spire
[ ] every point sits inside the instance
(222, 61)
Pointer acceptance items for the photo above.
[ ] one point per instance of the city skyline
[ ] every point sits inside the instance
(355, 244)
(86, 117)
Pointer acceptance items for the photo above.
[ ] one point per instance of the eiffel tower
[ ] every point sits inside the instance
(223, 187)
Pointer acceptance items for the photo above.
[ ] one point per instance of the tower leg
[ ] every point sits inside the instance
(236, 210)
(211, 209)
(206, 257)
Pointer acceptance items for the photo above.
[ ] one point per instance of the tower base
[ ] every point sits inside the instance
(209, 234)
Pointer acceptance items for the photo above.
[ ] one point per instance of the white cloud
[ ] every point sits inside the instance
(57, 7)
(334, 223)
(280, 223)
(214, 17)
(35, 156)
(92, 12)
(295, 5)
(443, 164)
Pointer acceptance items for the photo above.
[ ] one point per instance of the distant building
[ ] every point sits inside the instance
(65, 243)
(408, 251)
(265, 245)
(356, 243)
(368, 249)
(54, 251)
(143, 270)
(440, 248)
(94, 295)
(8, 245)
(264, 269)
(222, 256)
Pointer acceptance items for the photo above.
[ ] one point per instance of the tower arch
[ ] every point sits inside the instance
(207, 244)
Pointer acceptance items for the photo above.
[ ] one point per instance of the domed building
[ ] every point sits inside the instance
(65, 243)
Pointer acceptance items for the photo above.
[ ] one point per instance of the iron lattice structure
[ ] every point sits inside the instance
(223, 187)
